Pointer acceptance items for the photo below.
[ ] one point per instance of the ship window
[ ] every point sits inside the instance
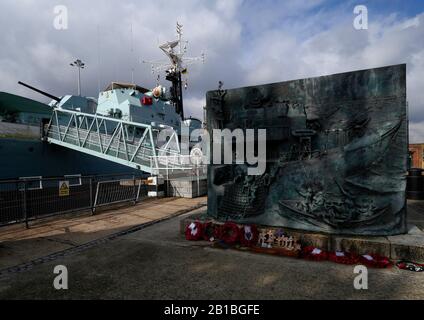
(74, 180)
(32, 183)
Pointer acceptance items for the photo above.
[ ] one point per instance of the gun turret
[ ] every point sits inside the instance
(39, 91)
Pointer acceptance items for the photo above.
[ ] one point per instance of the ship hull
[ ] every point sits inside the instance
(31, 157)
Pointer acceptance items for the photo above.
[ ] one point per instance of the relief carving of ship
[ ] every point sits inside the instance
(341, 209)
(246, 197)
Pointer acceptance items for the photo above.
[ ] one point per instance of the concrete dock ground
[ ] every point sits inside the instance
(156, 262)
(44, 237)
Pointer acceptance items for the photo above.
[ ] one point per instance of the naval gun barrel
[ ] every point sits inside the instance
(39, 91)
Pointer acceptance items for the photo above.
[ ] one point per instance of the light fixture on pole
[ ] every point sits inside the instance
(80, 65)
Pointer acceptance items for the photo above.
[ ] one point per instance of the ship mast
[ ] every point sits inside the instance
(175, 68)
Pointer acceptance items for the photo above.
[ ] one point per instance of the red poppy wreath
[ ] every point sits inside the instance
(194, 231)
(229, 232)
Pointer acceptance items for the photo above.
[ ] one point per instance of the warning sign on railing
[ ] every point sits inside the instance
(63, 188)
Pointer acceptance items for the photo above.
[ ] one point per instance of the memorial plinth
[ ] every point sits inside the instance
(336, 153)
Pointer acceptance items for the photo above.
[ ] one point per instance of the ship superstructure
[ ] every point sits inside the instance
(125, 104)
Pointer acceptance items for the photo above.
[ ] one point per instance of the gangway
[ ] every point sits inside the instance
(128, 143)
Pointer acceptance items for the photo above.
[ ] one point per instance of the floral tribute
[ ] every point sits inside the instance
(210, 231)
(265, 240)
(343, 257)
(314, 254)
(194, 231)
(375, 261)
(277, 242)
(410, 266)
(249, 236)
(229, 233)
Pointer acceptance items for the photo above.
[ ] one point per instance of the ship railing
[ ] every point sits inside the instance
(125, 142)
(179, 167)
(173, 165)
(21, 202)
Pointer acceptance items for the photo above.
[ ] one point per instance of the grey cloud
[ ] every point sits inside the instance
(246, 42)
(342, 48)
(33, 51)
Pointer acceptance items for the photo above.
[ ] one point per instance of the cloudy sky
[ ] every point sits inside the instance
(246, 42)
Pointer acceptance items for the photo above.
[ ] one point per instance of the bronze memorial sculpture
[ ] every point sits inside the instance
(336, 153)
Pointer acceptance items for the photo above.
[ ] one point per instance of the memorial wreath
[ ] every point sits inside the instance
(210, 231)
(343, 257)
(375, 261)
(315, 254)
(249, 235)
(194, 231)
(229, 233)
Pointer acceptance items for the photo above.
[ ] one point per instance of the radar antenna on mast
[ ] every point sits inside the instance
(175, 67)
(177, 62)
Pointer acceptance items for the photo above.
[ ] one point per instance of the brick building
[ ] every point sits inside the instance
(416, 155)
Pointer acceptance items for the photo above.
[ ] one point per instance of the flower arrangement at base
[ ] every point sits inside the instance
(249, 235)
(411, 266)
(343, 257)
(314, 254)
(229, 233)
(375, 261)
(210, 231)
(277, 242)
(194, 231)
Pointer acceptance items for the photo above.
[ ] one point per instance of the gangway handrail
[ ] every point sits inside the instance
(79, 113)
(125, 142)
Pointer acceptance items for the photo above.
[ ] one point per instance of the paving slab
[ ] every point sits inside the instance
(14, 253)
(158, 263)
(19, 245)
(22, 233)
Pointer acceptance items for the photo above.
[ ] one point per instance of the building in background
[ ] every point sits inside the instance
(416, 155)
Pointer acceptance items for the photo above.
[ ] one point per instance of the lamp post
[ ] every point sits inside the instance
(80, 65)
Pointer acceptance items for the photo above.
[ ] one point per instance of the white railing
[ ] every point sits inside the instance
(125, 142)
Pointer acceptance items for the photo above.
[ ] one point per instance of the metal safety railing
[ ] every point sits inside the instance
(128, 143)
(27, 199)
(116, 191)
(180, 167)
(174, 166)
